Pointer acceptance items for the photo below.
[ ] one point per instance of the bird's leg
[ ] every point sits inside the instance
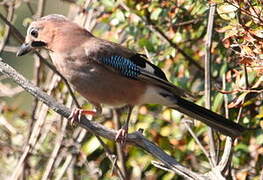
(123, 132)
(77, 113)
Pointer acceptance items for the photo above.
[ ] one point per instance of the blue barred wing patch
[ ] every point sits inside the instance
(123, 65)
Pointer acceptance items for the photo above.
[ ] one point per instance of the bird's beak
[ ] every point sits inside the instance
(27, 47)
(24, 49)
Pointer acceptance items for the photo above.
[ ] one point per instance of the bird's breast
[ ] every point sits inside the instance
(98, 84)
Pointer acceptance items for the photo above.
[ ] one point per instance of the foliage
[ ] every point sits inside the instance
(161, 30)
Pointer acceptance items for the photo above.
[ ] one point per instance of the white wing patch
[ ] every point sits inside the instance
(153, 95)
(149, 68)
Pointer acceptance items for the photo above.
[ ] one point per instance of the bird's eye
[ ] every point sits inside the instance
(34, 33)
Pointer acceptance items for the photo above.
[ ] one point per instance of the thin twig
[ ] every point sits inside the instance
(161, 166)
(110, 155)
(156, 29)
(208, 79)
(185, 23)
(37, 70)
(65, 166)
(246, 77)
(57, 146)
(7, 91)
(226, 158)
(244, 11)
(12, 49)
(119, 147)
(4, 122)
(10, 15)
(30, 7)
(250, 4)
(227, 154)
(198, 142)
(34, 135)
(40, 8)
(13, 29)
(35, 101)
(48, 122)
(174, 45)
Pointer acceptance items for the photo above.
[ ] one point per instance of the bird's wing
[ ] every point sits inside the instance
(134, 66)
(153, 74)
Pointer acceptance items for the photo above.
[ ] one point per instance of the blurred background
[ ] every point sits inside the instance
(36, 143)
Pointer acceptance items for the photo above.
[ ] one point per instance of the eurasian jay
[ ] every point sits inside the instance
(107, 73)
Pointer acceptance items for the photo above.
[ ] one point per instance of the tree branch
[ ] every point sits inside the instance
(208, 78)
(97, 129)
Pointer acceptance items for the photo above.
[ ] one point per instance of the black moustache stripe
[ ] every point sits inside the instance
(38, 44)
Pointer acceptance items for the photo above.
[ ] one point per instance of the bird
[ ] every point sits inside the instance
(104, 72)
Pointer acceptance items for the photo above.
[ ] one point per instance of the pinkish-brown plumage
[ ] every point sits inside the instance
(74, 51)
(106, 73)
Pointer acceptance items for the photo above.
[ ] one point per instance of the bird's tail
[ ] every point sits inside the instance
(208, 117)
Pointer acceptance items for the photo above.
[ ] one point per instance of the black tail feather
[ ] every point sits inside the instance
(208, 117)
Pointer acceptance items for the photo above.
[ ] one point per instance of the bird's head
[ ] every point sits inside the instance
(47, 32)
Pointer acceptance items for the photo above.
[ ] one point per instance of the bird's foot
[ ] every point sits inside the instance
(77, 113)
(121, 135)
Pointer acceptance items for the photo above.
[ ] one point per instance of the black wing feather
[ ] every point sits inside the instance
(141, 60)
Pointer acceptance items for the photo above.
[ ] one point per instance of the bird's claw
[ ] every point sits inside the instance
(77, 113)
(121, 135)
(75, 116)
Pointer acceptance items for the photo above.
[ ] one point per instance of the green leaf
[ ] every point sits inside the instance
(119, 15)
(259, 139)
(223, 69)
(226, 11)
(91, 145)
(143, 42)
(217, 102)
(155, 14)
(242, 147)
(108, 3)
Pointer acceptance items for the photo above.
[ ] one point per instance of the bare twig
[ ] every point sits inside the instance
(65, 166)
(254, 10)
(55, 151)
(246, 77)
(40, 8)
(156, 29)
(10, 15)
(198, 142)
(17, 34)
(34, 135)
(7, 125)
(174, 45)
(37, 68)
(185, 23)
(110, 155)
(161, 166)
(5, 90)
(119, 147)
(30, 7)
(261, 174)
(227, 154)
(208, 78)
(245, 11)
(12, 49)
